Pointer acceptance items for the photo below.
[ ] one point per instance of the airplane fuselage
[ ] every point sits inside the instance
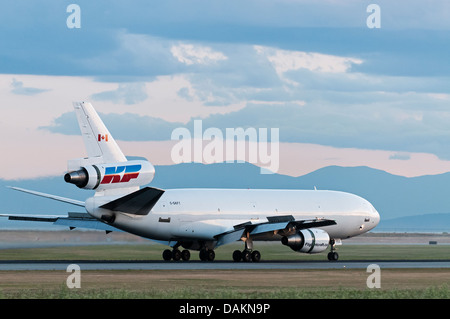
(200, 214)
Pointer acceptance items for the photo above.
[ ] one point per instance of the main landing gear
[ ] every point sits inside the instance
(248, 254)
(206, 254)
(333, 255)
(185, 255)
(176, 255)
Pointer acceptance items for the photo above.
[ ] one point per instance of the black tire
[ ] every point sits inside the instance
(256, 256)
(333, 256)
(185, 255)
(167, 255)
(246, 256)
(237, 255)
(210, 255)
(176, 254)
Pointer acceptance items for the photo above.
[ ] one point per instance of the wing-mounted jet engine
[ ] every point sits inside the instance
(310, 241)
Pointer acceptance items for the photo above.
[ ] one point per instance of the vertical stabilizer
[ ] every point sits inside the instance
(105, 169)
(98, 140)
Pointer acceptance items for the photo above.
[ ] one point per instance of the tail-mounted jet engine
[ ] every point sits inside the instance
(113, 175)
(310, 241)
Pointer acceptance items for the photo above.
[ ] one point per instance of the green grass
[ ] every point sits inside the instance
(227, 284)
(438, 292)
(269, 251)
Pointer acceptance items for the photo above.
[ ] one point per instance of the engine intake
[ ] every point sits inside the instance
(310, 241)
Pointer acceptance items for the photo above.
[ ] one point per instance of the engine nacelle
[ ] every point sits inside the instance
(310, 241)
(113, 175)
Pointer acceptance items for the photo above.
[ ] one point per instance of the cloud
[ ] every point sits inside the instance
(186, 94)
(312, 97)
(138, 55)
(132, 127)
(333, 109)
(115, 38)
(400, 156)
(375, 126)
(312, 69)
(284, 60)
(190, 54)
(127, 93)
(125, 127)
(18, 88)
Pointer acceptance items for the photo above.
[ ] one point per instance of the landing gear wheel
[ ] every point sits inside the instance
(185, 255)
(333, 256)
(167, 255)
(246, 256)
(256, 256)
(176, 255)
(210, 255)
(237, 255)
(207, 255)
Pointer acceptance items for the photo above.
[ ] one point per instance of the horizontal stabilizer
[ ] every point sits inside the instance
(138, 203)
(31, 218)
(72, 220)
(54, 197)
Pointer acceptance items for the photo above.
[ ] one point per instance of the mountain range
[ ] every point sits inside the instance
(405, 204)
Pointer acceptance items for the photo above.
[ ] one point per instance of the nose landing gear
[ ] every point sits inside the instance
(333, 255)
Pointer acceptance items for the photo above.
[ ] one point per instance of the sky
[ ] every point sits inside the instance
(339, 92)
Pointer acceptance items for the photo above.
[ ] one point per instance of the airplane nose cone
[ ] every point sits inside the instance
(374, 216)
(371, 213)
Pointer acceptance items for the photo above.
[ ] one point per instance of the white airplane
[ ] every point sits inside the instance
(308, 221)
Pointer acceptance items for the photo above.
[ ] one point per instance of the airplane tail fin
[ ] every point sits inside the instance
(98, 141)
(106, 168)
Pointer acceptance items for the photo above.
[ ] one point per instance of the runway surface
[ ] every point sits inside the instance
(216, 265)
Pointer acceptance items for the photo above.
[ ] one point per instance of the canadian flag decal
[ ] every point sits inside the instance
(103, 137)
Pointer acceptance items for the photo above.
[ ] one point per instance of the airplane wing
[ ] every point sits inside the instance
(72, 220)
(138, 203)
(281, 222)
(273, 223)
